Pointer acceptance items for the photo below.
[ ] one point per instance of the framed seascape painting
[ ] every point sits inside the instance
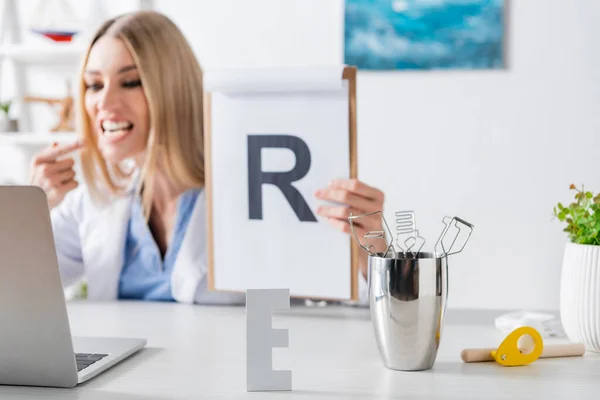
(424, 34)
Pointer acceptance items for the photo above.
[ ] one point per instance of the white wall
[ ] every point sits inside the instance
(498, 148)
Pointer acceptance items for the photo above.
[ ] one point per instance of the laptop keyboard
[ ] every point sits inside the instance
(84, 360)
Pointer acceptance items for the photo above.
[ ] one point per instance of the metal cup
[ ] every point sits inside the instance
(408, 303)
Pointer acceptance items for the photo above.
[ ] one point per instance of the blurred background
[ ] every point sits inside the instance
(483, 109)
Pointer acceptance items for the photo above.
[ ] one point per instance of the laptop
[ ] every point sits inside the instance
(36, 347)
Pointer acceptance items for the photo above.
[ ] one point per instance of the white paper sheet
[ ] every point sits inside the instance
(279, 251)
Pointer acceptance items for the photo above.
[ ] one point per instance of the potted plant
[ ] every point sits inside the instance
(580, 277)
(7, 124)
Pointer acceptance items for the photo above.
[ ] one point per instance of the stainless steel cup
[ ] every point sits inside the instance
(408, 304)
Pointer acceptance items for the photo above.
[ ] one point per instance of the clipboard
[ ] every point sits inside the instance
(349, 74)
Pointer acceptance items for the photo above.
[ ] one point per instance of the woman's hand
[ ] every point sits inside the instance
(357, 198)
(56, 177)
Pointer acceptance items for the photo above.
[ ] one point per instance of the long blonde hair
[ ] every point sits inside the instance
(172, 83)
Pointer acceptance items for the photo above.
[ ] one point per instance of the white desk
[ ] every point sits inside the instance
(197, 352)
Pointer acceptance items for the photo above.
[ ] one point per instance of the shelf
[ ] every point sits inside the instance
(37, 139)
(45, 53)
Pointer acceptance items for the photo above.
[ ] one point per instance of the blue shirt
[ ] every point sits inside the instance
(145, 275)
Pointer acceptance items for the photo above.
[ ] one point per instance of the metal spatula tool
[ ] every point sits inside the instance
(407, 235)
(461, 225)
(379, 234)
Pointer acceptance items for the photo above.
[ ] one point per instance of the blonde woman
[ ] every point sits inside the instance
(138, 233)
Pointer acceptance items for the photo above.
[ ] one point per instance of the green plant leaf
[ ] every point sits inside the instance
(5, 106)
(581, 218)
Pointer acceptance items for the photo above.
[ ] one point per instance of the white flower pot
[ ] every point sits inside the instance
(580, 294)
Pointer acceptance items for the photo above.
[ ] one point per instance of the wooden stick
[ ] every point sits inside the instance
(550, 351)
(34, 99)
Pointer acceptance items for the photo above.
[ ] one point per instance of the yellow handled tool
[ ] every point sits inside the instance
(509, 354)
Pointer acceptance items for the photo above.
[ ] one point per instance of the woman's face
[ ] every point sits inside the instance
(115, 101)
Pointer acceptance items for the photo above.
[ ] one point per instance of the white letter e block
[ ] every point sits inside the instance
(261, 338)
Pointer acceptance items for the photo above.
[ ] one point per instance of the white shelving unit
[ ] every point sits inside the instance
(36, 138)
(10, 24)
(46, 53)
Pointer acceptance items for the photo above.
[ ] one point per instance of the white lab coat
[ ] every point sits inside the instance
(90, 243)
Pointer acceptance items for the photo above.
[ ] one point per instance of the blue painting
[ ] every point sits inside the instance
(424, 34)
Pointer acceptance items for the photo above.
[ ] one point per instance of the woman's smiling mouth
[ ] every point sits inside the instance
(113, 131)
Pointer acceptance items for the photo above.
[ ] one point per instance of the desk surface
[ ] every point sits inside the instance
(198, 352)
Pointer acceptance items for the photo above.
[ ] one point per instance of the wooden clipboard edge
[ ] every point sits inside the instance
(349, 74)
(208, 178)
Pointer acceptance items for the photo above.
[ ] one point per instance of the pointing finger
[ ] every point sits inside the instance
(54, 152)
